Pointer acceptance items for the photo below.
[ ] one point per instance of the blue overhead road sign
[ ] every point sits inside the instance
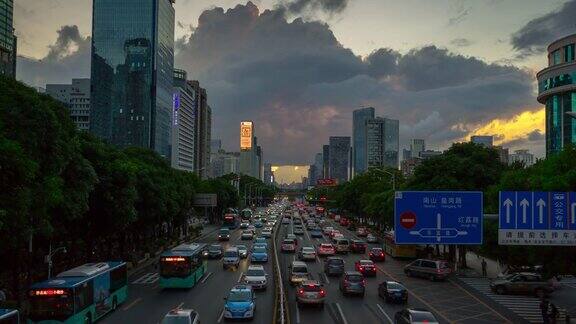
(438, 217)
(537, 218)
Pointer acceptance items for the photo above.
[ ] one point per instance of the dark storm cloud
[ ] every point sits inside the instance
(68, 57)
(461, 42)
(534, 37)
(297, 7)
(300, 85)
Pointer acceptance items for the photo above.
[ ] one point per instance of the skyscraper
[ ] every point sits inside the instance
(132, 72)
(339, 160)
(7, 39)
(203, 130)
(248, 149)
(76, 97)
(382, 138)
(557, 90)
(183, 147)
(326, 161)
(359, 117)
(416, 147)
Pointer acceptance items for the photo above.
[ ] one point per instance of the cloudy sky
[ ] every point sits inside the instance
(445, 68)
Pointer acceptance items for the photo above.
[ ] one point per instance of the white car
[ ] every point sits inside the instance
(256, 277)
(247, 235)
(307, 253)
(371, 238)
(267, 234)
(181, 316)
(328, 229)
(285, 221)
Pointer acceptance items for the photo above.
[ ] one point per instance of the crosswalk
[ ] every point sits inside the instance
(146, 279)
(524, 306)
(568, 282)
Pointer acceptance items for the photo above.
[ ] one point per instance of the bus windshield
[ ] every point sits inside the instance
(175, 267)
(51, 306)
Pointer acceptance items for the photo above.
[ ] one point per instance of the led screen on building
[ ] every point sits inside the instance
(246, 135)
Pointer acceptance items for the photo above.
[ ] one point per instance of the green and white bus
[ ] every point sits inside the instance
(183, 266)
(79, 295)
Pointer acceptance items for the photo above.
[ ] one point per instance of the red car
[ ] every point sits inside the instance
(362, 231)
(326, 249)
(358, 246)
(288, 245)
(365, 267)
(377, 254)
(344, 222)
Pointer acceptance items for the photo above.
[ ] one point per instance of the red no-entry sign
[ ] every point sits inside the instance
(408, 219)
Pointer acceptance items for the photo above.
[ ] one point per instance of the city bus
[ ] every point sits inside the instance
(232, 221)
(182, 266)
(398, 250)
(9, 316)
(246, 214)
(79, 295)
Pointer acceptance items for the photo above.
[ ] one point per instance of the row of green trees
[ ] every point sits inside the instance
(62, 187)
(465, 166)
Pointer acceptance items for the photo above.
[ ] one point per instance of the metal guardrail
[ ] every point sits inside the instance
(280, 302)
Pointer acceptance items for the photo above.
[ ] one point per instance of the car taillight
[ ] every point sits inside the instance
(364, 282)
(322, 293)
(301, 291)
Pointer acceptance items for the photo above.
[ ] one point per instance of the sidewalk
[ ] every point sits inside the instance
(474, 262)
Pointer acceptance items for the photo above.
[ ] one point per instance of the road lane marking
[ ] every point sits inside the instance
(344, 321)
(136, 301)
(206, 277)
(326, 278)
(297, 314)
(476, 298)
(383, 312)
(220, 317)
(240, 278)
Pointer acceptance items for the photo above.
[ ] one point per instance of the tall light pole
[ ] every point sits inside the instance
(49, 257)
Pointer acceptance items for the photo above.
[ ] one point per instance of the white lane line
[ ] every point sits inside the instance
(297, 314)
(220, 317)
(326, 277)
(206, 277)
(240, 277)
(136, 301)
(344, 321)
(383, 312)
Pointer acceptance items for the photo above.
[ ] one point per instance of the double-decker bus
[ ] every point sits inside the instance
(232, 221)
(9, 316)
(182, 266)
(79, 295)
(246, 214)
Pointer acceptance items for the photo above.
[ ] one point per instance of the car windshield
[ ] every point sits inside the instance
(444, 265)
(287, 242)
(248, 232)
(230, 254)
(355, 278)
(307, 249)
(259, 249)
(214, 248)
(394, 285)
(311, 287)
(300, 269)
(224, 231)
(176, 320)
(366, 262)
(239, 296)
(255, 273)
(241, 247)
(336, 261)
(423, 317)
(377, 250)
(326, 246)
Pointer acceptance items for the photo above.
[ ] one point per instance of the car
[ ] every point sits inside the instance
(264, 220)
(307, 253)
(231, 258)
(522, 283)
(288, 245)
(362, 231)
(298, 272)
(316, 233)
(310, 225)
(333, 266)
(353, 282)
(240, 303)
(244, 225)
(259, 254)
(371, 238)
(260, 240)
(310, 292)
(326, 249)
(298, 230)
(333, 233)
(242, 250)
(337, 218)
(365, 267)
(297, 221)
(377, 254)
(358, 246)
(342, 245)
(344, 222)
(256, 277)
(409, 316)
(293, 237)
(224, 234)
(429, 269)
(181, 316)
(328, 229)
(266, 233)
(258, 223)
(285, 221)
(215, 251)
(247, 235)
(252, 228)
(393, 291)
(260, 244)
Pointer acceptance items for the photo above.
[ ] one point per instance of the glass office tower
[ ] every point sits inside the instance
(359, 118)
(131, 72)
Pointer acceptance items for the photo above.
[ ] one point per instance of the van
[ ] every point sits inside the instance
(298, 273)
(429, 269)
(342, 245)
(231, 258)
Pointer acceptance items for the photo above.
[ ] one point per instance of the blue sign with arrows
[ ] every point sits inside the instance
(537, 218)
(438, 217)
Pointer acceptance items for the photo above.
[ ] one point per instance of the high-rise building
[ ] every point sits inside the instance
(339, 158)
(359, 117)
(416, 146)
(223, 163)
(132, 72)
(557, 90)
(7, 39)
(326, 161)
(268, 174)
(486, 140)
(406, 154)
(382, 139)
(215, 145)
(183, 135)
(203, 134)
(429, 154)
(76, 97)
(522, 156)
(260, 163)
(503, 154)
(248, 149)
(312, 175)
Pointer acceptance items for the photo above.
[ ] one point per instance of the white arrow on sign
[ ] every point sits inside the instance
(507, 204)
(573, 213)
(541, 204)
(524, 203)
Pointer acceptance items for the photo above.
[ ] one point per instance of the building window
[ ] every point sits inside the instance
(569, 53)
(556, 57)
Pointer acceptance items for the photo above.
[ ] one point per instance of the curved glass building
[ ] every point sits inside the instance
(557, 90)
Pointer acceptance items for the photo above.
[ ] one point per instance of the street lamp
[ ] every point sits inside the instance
(50, 255)
(392, 174)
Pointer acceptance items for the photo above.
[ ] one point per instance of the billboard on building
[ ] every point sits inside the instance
(326, 182)
(246, 135)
